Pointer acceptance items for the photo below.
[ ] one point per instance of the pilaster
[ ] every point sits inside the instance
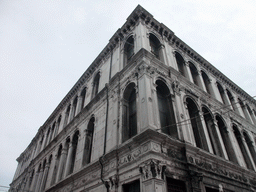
(145, 104)
(152, 176)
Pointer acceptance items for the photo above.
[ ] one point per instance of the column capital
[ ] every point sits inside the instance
(152, 169)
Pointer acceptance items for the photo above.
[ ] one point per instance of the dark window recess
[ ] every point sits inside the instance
(132, 187)
(211, 190)
(174, 185)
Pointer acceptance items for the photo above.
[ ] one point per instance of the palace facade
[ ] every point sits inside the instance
(149, 114)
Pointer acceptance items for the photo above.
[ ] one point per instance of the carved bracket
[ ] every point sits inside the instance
(152, 169)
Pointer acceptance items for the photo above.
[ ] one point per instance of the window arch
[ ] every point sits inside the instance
(196, 124)
(74, 107)
(226, 140)
(180, 63)
(58, 125)
(232, 100)
(83, 94)
(165, 107)
(214, 139)
(73, 152)
(194, 73)
(242, 148)
(96, 83)
(207, 83)
(222, 94)
(128, 50)
(88, 141)
(129, 112)
(67, 115)
(155, 46)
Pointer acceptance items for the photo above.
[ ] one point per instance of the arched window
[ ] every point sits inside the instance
(128, 50)
(196, 125)
(166, 113)
(232, 100)
(58, 125)
(181, 64)
(226, 140)
(242, 148)
(129, 112)
(222, 94)
(155, 46)
(83, 94)
(207, 83)
(53, 130)
(74, 107)
(214, 139)
(96, 83)
(73, 152)
(250, 147)
(194, 73)
(88, 141)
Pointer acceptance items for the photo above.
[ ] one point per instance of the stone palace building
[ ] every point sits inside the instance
(148, 115)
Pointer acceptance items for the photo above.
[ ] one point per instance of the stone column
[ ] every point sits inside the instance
(69, 158)
(44, 142)
(253, 118)
(162, 52)
(188, 72)
(34, 182)
(230, 145)
(189, 136)
(79, 104)
(236, 148)
(152, 176)
(39, 180)
(247, 114)
(227, 101)
(221, 143)
(239, 107)
(250, 160)
(61, 164)
(71, 113)
(44, 178)
(214, 90)
(205, 132)
(201, 81)
(145, 108)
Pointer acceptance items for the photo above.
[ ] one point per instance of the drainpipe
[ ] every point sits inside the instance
(105, 141)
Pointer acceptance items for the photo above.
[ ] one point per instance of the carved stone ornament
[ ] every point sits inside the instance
(152, 169)
(112, 183)
(145, 68)
(176, 87)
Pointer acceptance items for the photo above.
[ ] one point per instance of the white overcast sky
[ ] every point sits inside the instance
(46, 45)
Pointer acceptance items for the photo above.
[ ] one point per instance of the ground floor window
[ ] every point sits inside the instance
(174, 185)
(132, 187)
(211, 190)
